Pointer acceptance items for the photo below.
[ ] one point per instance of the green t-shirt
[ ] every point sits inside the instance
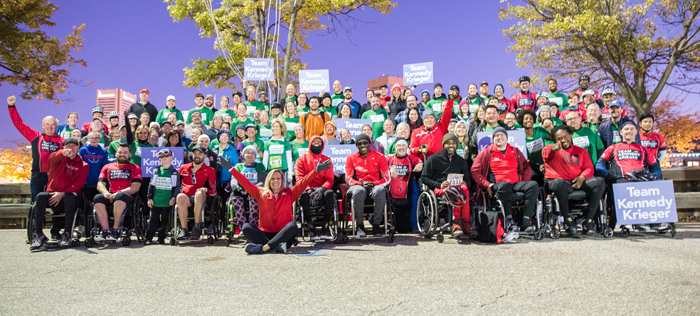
(251, 106)
(113, 146)
(254, 174)
(435, 105)
(588, 140)
(164, 185)
(485, 98)
(332, 111)
(207, 115)
(536, 143)
(66, 132)
(237, 122)
(292, 98)
(277, 154)
(265, 132)
(302, 109)
(461, 151)
(136, 152)
(617, 138)
(560, 99)
(378, 118)
(229, 112)
(163, 115)
(291, 124)
(337, 99)
(489, 128)
(299, 149)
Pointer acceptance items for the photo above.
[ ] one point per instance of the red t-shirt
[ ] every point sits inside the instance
(403, 166)
(567, 164)
(527, 101)
(653, 142)
(119, 177)
(628, 157)
(373, 168)
(205, 177)
(504, 167)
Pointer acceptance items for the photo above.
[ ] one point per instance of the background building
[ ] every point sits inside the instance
(115, 100)
(375, 84)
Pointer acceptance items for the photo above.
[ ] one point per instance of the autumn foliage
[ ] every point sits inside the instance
(16, 164)
(681, 131)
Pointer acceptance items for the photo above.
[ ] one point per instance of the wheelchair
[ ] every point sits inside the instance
(317, 214)
(485, 202)
(229, 226)
(349, 214)
(608, 201)
(56, 216)
(554, 222)
(211, 217)
(131, 222)
(434, 214)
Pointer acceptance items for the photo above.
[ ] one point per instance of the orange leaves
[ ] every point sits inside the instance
(16, 164)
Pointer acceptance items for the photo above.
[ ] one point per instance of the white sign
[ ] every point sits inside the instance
(258, 69)
(314, 80)
(418, 73)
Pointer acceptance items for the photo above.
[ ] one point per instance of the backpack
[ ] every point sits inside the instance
(490, 229)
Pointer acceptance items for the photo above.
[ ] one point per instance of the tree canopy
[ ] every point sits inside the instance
(640, 46)
(29, 57)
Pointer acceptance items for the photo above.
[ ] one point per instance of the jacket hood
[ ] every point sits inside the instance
(437, 97)
(325, 134)
(311, 141)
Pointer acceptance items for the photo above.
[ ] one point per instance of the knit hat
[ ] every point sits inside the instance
(454, 87)
(429, 112)
(437, 85)
(544, 107)
(400, 141)
(425, 91)
(499, 129)
(449, 136)
(628, 122)
(153, 124)
(223, 131)
(203, 136)
(250, 147)
(396, 86)
(362, 137)
(498, 84)
(240, 126)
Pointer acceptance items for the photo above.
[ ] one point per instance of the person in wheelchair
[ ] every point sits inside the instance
(367, 172)
(620, 160)
(501, 170)
(436, 176)
(164, 187)
(401, 166)
(198, 181)
(255, 173)
(319, 190)
(277, 228)
(124, 180)
(568, 168)
(67, 175)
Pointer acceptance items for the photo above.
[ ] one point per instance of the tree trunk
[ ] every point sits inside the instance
(288, 52)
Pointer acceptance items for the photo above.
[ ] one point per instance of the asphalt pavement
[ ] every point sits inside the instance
(637, 275)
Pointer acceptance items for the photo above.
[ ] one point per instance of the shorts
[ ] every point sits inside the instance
(121, 196)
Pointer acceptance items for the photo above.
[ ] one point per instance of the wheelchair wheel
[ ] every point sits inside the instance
(89, 242)
(607, 232)
(539, 234)
(140, 220)
(555, 234)
(30, 223)
(673, 230)
(426, 214)
(440, 238)
(75, 243)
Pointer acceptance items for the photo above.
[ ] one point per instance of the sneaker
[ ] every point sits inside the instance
(457, 230)
(254, 249)
(663, 227)
(38, 241)
(148, 242)
(526, 227)
(377, 231)
(161, 241)
(572, 230)
(196, 232)
(510, 225)
(281, 248)
(311, 230)
(325, 232)
(65, 240)
(113, 234)
(643, 228)
(590, 229)
(361, 233)
(101, 236)
(182, 234)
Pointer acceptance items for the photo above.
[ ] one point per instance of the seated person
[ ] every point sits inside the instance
(124, 180)
(367, 172)
(67, 175)
(319, 189)
(255, 173)
(401, 166)
(277, 227)
(435, 176)
(501, 170)
(619, 159)
(568, 168)
(198, 180)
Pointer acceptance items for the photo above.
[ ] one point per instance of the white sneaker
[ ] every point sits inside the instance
(361, 233)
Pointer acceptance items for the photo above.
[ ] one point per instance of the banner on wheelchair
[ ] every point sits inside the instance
(150, 161)
(650, 202)
(516, 138)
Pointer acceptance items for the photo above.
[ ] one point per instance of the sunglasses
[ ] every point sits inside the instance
(362, 143)
(164, 154)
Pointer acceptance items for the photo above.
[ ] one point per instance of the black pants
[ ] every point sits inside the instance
(611, 201)
(67, 203)
(257, 236)
(402, 211)
(158, 221)
(504, 192)
(306, 203)
(37, 183)
(594, 188)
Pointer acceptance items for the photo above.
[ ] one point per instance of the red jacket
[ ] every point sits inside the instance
(275, 211)
(653, 142)
(373, 168)
(205, 178)
(433, 137)
(480, 167)
(42, 144)
(307, 163)
(66, 175)
(567, 164)
(527, 101)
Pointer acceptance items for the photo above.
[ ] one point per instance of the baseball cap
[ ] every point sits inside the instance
(251, 125)
(71, 140)
(616, 103)
(145, 90)
(133, 116)
(347, 88)
(454, 87)
(179, 123)
(200, 148)
(170, 97)
(484, 83)
(209, 96)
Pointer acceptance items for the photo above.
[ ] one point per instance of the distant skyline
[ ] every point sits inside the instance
(134, 44)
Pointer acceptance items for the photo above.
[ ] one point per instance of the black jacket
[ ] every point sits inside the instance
(396, 107)
(439, 165)
(137, 109)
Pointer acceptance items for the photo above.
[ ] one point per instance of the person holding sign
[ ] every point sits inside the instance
(501, 170)
(536, 138)
(367, 172)
(570, 168)
(314, 120)
(377, 114)
(277, 228)
(254, 172)
(620, 159)
(164, 187)
(319, 190)
(425, 140)
(445, 169)
(278, 151)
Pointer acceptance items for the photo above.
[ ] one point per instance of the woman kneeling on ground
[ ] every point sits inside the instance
(276, 227)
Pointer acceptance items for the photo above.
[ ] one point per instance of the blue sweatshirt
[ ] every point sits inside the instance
(96, 158)
(231, 155)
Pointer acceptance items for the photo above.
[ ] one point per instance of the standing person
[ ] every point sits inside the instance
(302, 104)
(169, 108)
(525, 98)
(275, 111)
(97, 113)
(319, 191)
(198, 181)
(291, 119)
(251, 103)
(593, 120)
(255, 173)
(488, 124)
(608, 97)
(461, 131)
(215, 126)
(314, 120)
(574, 107)
(555, 96)
(206, 113)
(653, 142)
(278, 151)
(368, 105)
(425, 140)
(424, 99)
(43, 144)
(67, 174)
(300, 146)
(436, 103)
(277, 228)
(473, 98)
(414, 119)
(389, 136)
(397, 103)
(401, 166)
(411, 102)
(503, 102)
(384, 95)
(402, 131)
(338, 95)
(163, 188)
(209, 103)
(330, 134)
(355, 106)
(242, 116)
(609, 130)
(346, 137)
(584, 84)
(225, 110)
(484, 92)
(113, 121)
(584, 137)
(251, 132)
(454, 91)
(326, 106)
(378, 115)
(142, 105)
(70, 125)
(536, 138)
(291, 93)
(225, 149)
(136, 146)
(373, 145)
(96, 157)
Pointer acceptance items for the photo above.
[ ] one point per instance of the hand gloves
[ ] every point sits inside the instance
(317, 195)
(224, 163)
(322, 166)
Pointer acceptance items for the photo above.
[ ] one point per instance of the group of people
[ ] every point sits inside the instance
(264, 156)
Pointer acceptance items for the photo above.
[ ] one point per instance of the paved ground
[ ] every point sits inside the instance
(645, 275)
